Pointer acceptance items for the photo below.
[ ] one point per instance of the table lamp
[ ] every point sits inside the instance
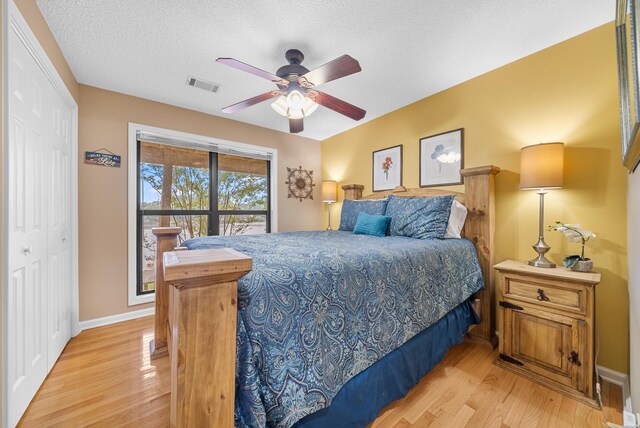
(329, 195)
(541, 168)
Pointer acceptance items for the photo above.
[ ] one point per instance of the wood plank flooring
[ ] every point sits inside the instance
(104, 378)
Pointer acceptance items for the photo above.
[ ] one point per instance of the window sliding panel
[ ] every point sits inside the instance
(242, 184)
(173, 178)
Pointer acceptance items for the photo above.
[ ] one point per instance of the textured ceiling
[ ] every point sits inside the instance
(408, 50)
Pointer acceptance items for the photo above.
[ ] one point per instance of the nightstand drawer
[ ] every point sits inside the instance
(545, 292)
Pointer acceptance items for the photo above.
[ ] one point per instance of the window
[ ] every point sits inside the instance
(203, 192)
(242, 195)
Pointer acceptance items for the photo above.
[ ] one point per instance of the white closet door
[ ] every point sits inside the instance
(27, 234)
(39, 263)
(59, 260)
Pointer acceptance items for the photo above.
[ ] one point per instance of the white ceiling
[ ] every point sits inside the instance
(408, 50)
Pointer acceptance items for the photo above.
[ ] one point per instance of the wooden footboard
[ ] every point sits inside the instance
(202, 346)
(195, 324)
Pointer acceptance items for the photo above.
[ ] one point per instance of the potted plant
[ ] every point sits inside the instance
(576, 234)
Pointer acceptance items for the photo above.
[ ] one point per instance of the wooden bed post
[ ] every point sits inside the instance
(479, 199)
(202, 339)
(166, 240)
(353, 191)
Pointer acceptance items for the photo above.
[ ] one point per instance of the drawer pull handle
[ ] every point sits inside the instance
(573, 358)
(541, 296)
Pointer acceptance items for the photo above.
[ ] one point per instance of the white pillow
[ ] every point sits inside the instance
(456, 220)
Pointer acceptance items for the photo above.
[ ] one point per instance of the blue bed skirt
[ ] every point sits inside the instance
(390, 378)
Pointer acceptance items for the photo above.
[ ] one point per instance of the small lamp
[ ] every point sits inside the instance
(329, 195)
(541, 167)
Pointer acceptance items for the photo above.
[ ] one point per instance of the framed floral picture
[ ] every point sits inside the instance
(441, 158)
(387, 168)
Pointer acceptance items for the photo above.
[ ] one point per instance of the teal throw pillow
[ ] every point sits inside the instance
(371, 224)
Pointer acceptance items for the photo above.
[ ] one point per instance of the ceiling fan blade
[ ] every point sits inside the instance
(296, 125)
(239, 65)
(335, 104)
(251, 101)
(339, 67)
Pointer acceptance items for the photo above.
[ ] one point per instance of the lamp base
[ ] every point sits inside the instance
(541, 261)
(329, 216)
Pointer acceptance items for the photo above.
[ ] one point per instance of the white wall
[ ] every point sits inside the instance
(633, 216)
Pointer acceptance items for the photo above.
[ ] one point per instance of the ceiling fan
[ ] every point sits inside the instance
(297, 96)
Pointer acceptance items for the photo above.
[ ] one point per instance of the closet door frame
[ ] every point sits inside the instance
(14, 25)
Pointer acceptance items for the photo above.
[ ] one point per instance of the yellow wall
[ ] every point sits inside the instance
(566, 93)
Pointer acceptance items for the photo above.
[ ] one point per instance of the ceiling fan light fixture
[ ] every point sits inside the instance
(296, 95)
(282, 108)
(280, 105)
(295, 114)
(295, 100)
(309, 106)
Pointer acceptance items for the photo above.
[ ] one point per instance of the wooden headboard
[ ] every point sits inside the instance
(479, 198)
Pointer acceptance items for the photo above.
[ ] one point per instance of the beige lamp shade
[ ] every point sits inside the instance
(541, 166)
(329, 191)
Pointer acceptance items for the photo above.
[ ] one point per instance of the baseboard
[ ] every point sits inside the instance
(113, 319)
(620, 379)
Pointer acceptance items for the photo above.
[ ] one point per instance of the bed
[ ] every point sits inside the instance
(325, 318)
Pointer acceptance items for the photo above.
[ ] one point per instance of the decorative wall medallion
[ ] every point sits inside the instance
(300, 183)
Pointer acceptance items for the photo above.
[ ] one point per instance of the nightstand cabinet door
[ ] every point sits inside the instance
(544, 343)
(546, 320)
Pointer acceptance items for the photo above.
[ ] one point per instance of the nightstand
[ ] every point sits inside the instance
(546, 326)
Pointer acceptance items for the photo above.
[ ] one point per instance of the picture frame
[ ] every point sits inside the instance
(442, 158)
(387, 168)
(627, 37)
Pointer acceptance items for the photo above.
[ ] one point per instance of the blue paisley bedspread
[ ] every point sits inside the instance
(320, 307)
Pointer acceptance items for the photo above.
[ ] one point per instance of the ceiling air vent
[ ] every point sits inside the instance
(203, 84)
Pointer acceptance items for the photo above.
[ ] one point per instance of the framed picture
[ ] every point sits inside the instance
(387, 168)
(441, 159)
(627, 37)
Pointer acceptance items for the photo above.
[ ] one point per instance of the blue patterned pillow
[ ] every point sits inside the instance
(374, 225)
(351, 209)
(421, 218)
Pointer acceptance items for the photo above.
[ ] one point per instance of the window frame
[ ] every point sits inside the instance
(135, 214)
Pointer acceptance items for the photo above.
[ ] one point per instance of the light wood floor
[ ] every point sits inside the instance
(104, 378)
